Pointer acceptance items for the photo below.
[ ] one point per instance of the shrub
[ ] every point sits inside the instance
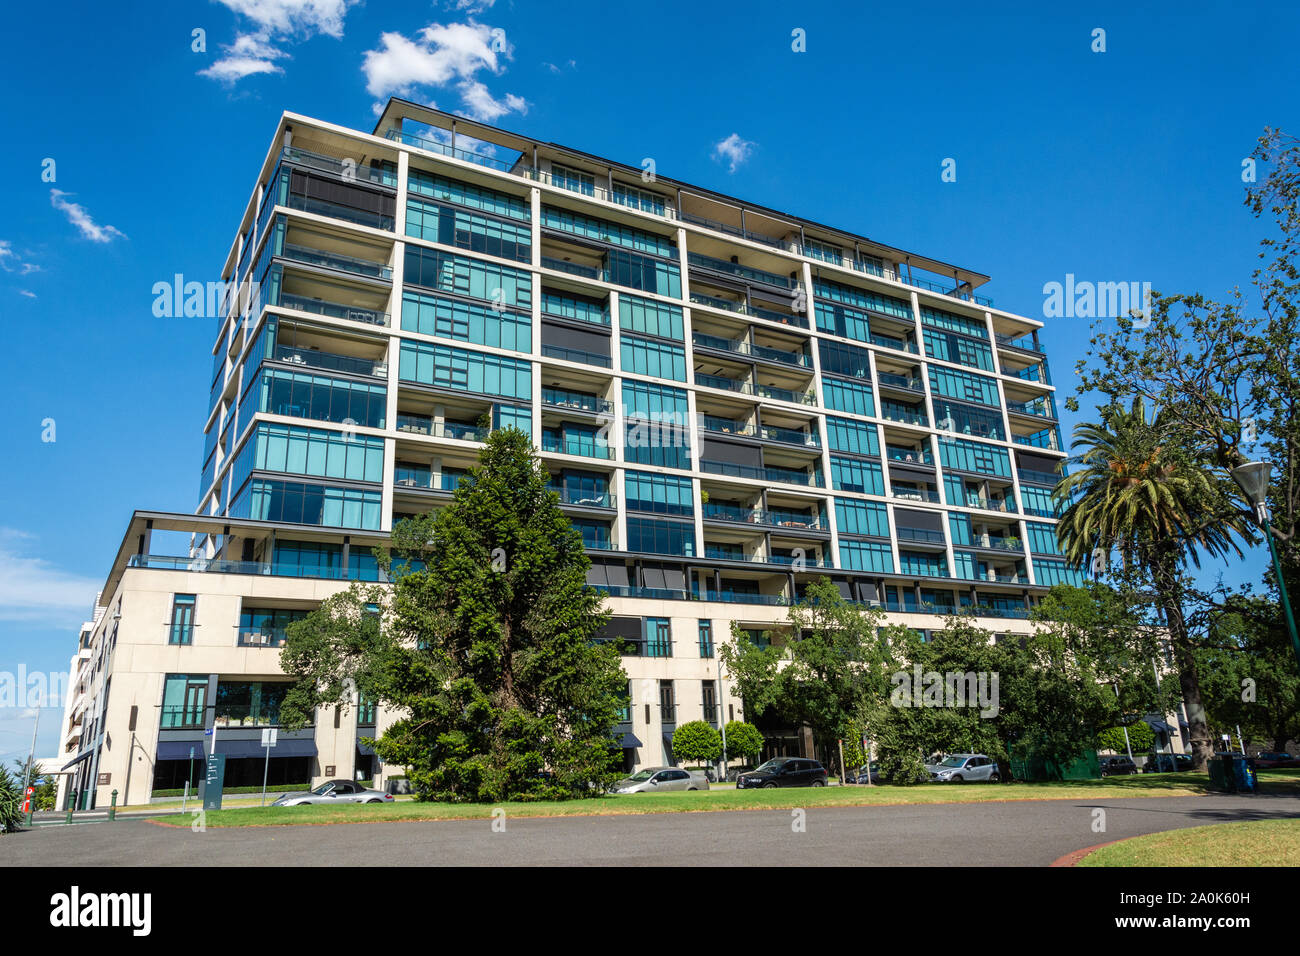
(696, 741)
(11, 802)
(1140, 737)
(743, 740)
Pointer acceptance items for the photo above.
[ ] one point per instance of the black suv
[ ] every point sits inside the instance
(784, 772)
(1115, 766)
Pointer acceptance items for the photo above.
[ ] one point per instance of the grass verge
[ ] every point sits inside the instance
(1253, 843)
(1142, 785)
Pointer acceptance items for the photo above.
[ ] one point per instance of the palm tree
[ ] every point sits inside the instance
(1142, 493)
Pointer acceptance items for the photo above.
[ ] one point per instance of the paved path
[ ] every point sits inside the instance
(1025, 833)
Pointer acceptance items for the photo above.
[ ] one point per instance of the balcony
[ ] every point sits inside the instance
(911, 383)
(921, 535)
(334, 310)
(337, 261)
(576, 355)
(572, 268)
(569, 307)
(909, 456)
(916, 494)
(786, 395)
(352, 172)
(1022, 343)
(330, 362)
(712, 511)
(425, 425)
(276, 569)
(746, 308)
(1029, 476)
(724, 267)
(994, 543)
(1039, 408)
(1006, 505)
(423, 478)
(726, 384)
(716, 226)
(790, 436)
(562, 398)
(333, 210)
(784, 475)
(586, 499)
(889, 342)
(903, 414)
(585, 446)
(726, 426)
(260, 638)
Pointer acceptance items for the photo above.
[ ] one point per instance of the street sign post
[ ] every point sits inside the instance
(269, 736)
(214, 779)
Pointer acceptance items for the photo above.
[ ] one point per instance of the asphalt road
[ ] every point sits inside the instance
(1022, 833)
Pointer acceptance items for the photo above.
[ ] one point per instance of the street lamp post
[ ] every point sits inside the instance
(1253, 479)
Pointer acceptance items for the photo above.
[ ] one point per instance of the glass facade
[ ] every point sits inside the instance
(466, 321)
(449, 367)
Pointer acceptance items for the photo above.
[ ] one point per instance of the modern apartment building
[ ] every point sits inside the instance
(733, 401)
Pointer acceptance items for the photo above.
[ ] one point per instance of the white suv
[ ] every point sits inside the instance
(959, 768)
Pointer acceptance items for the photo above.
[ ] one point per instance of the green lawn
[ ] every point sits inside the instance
(1255, 843)
(1141, 785)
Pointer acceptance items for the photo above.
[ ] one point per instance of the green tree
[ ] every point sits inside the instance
(486, 647)
(1142, 494)
(11, 802)
(1140, 738)
(821, 669)
(45, 786)
(695, 742)
(1251, 679)
(744, 741)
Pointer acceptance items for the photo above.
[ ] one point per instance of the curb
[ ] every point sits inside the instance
(1074, 856)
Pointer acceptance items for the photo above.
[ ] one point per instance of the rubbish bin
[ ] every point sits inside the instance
(1233, 773)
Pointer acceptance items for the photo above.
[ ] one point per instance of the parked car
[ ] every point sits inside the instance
(333, 791)
(1167, 763)
(735, 772)
(860, 774)
(1272, 760)
(661, 780)
(960, 768)
(1117, 766)
(784, 772)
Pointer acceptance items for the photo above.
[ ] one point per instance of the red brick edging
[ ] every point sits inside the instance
(1074, 856)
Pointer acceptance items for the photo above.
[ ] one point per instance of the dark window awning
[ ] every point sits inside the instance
(364, 750)
(78, 758)
(1158, 725)
(291, 747)
(630, 741)
(180, 749)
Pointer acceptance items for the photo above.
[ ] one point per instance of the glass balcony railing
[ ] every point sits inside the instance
(721, 512)
(585, 446)
(790, 436)
(560, 398)
(889, 342)
(727, 384)
(331, 362)
(415, 424)
(1047, 438)
(572, 268)
(1040, 408)
(916, 494)
(333, 309)
(991, 504)
(744, 272)
(926, 535)
(576, 355)
(184, 717)
(780, 355)
(461, 431)
(897, 413)
(337, 261)
(334, 210)
(909, 455)
(786, 395)
(1038, 477)
(909, 382)
(726, 426)
(585, 497)
(1024, 343)
(352, 171)
(790, 519)
(992, 543)
(784, 475)
(562, 307)
(743, 308)
(218, 566)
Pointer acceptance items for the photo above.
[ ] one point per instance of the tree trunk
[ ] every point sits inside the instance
(1197, 729)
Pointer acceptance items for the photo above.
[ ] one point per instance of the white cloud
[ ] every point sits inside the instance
(440, 55)
(255, 51)
(11, 261)
(734, 150)
(78, 216)
(32, 589)
(248, 55)
(27, 292)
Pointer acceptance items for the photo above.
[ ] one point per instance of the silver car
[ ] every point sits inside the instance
(661, 780)
(959, 768)
(333, 791)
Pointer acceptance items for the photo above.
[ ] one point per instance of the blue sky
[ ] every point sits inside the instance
(1121, 165)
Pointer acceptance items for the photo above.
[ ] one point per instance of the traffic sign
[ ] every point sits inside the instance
(269, 736)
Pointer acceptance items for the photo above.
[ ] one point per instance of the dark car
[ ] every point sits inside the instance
(1117, 766)
(1167, 763)
(1272, 760)
(860, 774)
(784, 772)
